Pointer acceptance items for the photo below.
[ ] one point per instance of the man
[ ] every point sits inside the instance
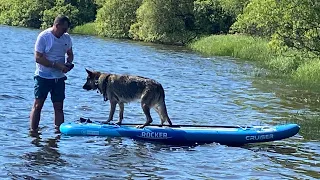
(51, 47)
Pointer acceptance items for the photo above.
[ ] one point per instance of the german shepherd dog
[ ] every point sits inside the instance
(121, 89)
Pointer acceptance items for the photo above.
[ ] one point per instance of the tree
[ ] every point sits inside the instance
(87, 10)
(163, 21)
(60, 8)
(260, 17)
(211, 18)
(299, 27)
(289, 23)
(115, 17)
(25, 13)
(233, 7)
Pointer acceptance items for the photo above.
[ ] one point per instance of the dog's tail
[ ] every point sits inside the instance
(161, 106)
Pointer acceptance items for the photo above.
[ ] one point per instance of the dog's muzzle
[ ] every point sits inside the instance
(89, 87)
(86, 87)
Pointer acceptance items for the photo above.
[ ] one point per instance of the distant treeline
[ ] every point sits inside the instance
(286, 23)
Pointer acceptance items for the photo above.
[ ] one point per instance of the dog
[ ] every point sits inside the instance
(121, 89)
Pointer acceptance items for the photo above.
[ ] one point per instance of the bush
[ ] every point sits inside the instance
(115, 18)
(163, 21)
(25, 13)
(289, 23)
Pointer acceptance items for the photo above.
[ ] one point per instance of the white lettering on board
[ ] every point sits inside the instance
(153, 135)
(94, 133)
(259, 137)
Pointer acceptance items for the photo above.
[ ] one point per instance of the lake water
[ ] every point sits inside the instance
(199, 90)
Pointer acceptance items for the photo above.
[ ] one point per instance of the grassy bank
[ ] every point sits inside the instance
(86, 29)
(293, 64)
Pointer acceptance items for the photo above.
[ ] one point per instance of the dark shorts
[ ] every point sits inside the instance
(43, 86)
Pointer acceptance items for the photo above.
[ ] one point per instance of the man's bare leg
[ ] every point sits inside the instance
(58, 114)
(35, 114)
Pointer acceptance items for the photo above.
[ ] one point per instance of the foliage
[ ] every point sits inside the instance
(233, 7)
(60, 8)
(180, 21)
(164, 21)
(41, 13)
(300, 26)
(79, 12)
(239, 46)
(87, 10)
(99, 3)
(210, 17)
(260, 17)
(25, 13)
(86, 29)
(308, 74)
(249, 48)
(115, 18)
(289, 23)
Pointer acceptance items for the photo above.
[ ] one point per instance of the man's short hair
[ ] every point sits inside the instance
(61, 19)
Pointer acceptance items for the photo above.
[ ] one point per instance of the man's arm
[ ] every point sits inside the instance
(39, 50)
(70, 55)
(40, 58)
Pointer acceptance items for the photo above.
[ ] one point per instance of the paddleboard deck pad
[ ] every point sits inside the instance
(183, 134)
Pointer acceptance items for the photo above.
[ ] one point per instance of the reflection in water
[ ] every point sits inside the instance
(47, 153)
(128, 159)
(310, 125)
(293, 156)
(40, 161)
(134, 158)
(272, 148)
(293, 105)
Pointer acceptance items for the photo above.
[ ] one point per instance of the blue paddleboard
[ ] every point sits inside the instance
(184, 134)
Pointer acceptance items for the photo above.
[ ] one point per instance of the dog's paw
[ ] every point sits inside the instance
(118, 123)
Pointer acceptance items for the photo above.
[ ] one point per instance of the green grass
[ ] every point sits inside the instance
(86, 29)
(239, 46)
(293, 64)
(308, 74)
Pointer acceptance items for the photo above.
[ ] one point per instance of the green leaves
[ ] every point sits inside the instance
(163, 21)
(49, 15)
(211, 17)
(115, 17)
(289, 23)
(157, 21)
(25, 13)
(41, 13)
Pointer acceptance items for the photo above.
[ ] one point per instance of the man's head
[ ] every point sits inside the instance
(61, 25)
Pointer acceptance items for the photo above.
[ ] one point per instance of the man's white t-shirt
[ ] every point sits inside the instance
(54, 49)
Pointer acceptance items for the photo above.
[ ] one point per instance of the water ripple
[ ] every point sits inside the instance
(6, 97)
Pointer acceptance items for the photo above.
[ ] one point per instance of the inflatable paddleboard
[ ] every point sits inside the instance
(184, 134)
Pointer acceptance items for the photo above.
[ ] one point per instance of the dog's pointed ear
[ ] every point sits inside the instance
(89, 72)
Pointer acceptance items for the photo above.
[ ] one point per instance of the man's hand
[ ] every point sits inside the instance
(62, 67)
(69, 65)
